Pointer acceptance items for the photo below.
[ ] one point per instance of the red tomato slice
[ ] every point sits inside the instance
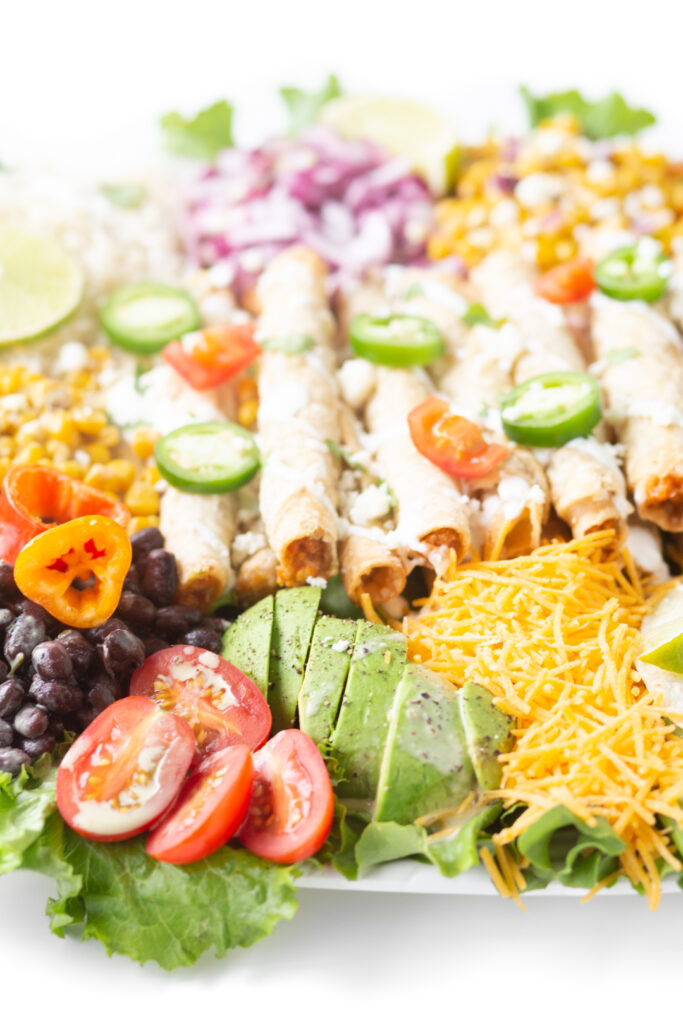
(451, 442)
(217, 354)
(292, 804)
(124, 771)
(567, 282)
(221, 704)
(211, 807)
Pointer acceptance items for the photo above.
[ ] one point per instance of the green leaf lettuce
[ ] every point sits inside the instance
(201, 137)
(600, 119)
(304, 107)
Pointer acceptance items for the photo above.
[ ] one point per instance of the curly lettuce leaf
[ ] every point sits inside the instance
(26, 802)
(134, 905)
(600, 119)
(304, 107)
(201, 137)
(563, 847)
(458, 851)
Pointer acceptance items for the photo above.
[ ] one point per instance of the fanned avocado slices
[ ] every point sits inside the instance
(425, 765)
(246, 642)
(377, 664)
(487, 733)
(295, 613)
(328, 665)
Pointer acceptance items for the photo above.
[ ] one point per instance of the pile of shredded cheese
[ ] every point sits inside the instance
(553, 636)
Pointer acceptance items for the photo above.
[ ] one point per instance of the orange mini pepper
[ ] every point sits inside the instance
(92, 549)
(34, 498)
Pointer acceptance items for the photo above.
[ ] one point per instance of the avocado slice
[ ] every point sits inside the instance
(425, 765)
(246, 642)
(487, 733)
(294, 617)
(357, 742)
(328, 665)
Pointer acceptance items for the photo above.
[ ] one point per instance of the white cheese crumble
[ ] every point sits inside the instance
(245, 545)
(375, 502)
(357, 380)
(316, 581)
(538, 189)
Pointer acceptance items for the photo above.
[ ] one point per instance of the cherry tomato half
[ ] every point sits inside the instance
(222, 705)
(292, 804)
(210, 808)
(451, 442)
(124, 771)
(567, 282)
(213, 355)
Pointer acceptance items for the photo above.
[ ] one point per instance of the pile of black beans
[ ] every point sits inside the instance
(55, 680)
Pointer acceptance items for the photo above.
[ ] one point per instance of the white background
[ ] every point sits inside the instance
(81, 85)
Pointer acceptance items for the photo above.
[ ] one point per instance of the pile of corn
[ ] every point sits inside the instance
(58, 421)
(542, 195)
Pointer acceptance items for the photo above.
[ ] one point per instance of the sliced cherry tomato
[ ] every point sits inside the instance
(292, 804)
(451, 442)
(124, 771)
(572, 281)
(221, 704)
(34, 498)
(92, 549)
(210, 808)
(207, 358)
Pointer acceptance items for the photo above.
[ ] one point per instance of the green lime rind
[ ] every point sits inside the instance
(668, 656)
(41, 284)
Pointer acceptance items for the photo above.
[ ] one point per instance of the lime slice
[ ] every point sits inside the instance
(660, 662)
(420, 134)
(40, 285)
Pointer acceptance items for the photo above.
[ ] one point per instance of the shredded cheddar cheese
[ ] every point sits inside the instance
(554, 636)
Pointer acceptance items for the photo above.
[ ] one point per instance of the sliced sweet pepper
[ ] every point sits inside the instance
(93, 550)
(34, 498)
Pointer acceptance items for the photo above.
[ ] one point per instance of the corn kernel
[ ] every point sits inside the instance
(97, 451)
(121, 474)
(57, 450)
(247, 413)
(143, 442)
(151, 475)
(29, 431)
(142, 499)
(60, 426)
(140, 522)
(5, 464)
(98, 476)
(7, 446)
(30, 453)
(111, 436)
(72, 468)
(89, 421)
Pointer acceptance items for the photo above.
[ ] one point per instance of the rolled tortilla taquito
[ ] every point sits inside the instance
(587, 486)
(199, 529)
(643, 385)
(298, 414)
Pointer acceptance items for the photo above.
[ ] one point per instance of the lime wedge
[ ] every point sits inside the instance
(420, 134)
(660, 662)
(40, 285)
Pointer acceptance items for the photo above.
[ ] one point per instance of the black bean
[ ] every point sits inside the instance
(203, 637)
(5, 733)
(215, 623)
(11, 760)
(154, 644)
(36, 747)
(160, 577)
(8, 587)
(98, 634)
(83, 656)
(104, 679)
(57, 726)
(31, 721)
(131, 581)
(101, 695)
(11, 696)
(56, 696)
(145, 541)
(137, 610)
(25, 633)
(3, 671)
(175, 619)
(6, 618)
(85, 716)
(52, 660)
(122, 652)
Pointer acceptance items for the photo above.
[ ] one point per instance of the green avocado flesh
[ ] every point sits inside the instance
(326, 671)
(425, 765)
(246, 643)
(357, 742)
(293, 621)
(487, 733)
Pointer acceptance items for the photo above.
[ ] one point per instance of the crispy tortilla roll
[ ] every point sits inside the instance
(256, 577)
(199, 529)
(369, 565)
(432, 512)
(514, 506)
(298, 414)
(644, 391)
(587, 486)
